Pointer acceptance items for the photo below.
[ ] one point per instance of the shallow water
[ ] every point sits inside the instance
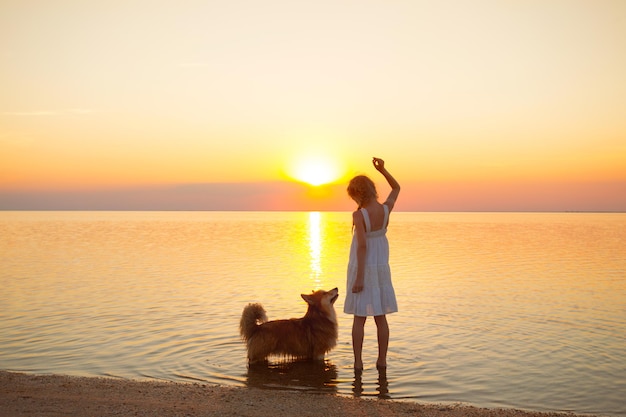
(519, 310)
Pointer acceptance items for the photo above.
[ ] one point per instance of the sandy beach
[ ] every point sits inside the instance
(55, 395)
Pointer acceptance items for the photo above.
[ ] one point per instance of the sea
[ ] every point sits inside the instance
(498, 310)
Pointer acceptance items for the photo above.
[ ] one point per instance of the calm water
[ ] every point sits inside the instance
(496, 310)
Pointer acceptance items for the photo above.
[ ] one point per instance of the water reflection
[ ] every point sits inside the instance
(306, 375)
(382, 385)
(315, 247)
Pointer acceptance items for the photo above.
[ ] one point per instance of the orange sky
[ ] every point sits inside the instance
(478, 105)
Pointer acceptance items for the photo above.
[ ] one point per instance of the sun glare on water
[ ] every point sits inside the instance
(315, 170)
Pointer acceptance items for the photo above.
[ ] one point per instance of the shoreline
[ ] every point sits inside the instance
(47, 395)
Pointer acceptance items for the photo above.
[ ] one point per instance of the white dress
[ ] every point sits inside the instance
(378, 296)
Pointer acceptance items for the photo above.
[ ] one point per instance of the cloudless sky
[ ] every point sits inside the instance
(474, 105)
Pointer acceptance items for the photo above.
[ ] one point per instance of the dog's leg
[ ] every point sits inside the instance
(256, 353)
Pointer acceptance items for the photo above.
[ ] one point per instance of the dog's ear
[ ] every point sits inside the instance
(307, 298)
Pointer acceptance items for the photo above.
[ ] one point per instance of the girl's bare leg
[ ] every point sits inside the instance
(358, 333)
(383, 340)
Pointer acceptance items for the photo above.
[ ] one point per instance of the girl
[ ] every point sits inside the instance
(369, 291)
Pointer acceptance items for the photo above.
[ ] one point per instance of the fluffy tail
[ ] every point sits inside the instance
(252, 316)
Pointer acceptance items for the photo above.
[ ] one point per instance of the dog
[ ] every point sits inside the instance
(306, 338)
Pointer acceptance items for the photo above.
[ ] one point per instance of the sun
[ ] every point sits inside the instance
(315, 169)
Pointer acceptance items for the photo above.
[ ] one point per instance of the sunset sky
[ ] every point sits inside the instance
(223, 105)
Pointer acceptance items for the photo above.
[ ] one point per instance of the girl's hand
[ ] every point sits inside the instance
(379, 164)
(357, 286)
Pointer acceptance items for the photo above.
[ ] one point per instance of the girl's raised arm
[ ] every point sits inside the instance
(379, 164)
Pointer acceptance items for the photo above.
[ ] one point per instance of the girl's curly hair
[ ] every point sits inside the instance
(362, 189)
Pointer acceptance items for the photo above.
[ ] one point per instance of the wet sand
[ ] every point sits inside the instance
(55, 395)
